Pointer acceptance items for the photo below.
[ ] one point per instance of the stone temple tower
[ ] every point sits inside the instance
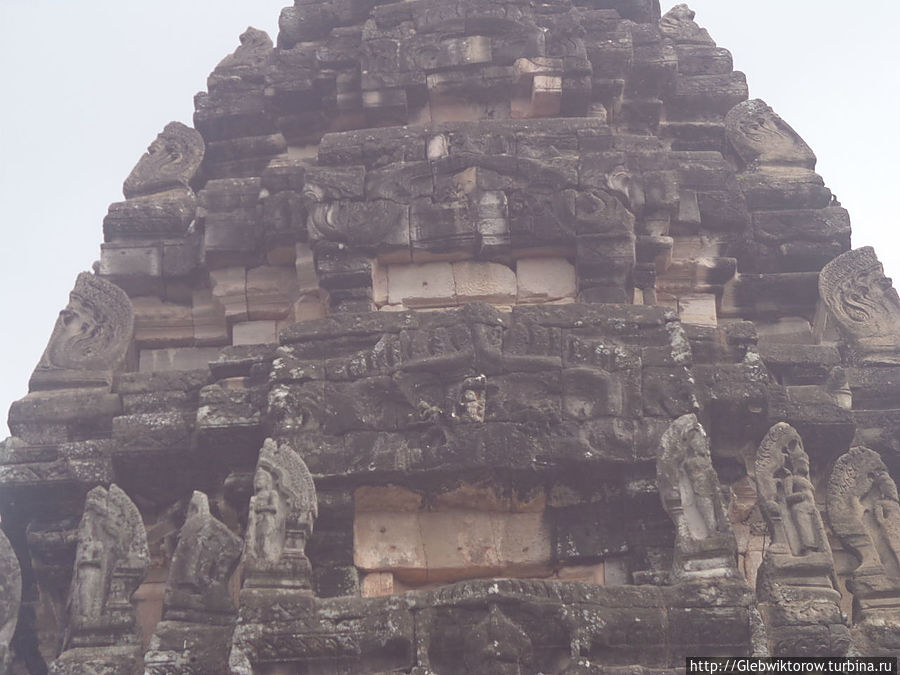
(462, 336)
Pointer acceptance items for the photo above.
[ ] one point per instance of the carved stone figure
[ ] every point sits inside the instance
(110, 562)
(758, 135)
(204, 560)
(282, 512)
(678, 25)
(795, 583)
(786, 493)
(864, 305)
(91, 337)
(498, 645)
(471, 406)
(171, 161)
(864, 511)
(10, 597)
(691, 494)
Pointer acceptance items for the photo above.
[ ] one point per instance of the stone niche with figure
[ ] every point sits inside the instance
(461, 337)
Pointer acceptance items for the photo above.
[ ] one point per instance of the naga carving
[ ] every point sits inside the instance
(172, 161)
(282, 512)
(864, 305)
(761, 138)
(691, 494)
(91, 338)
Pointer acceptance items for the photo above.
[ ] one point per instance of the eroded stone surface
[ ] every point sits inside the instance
(504, 297)
(11, 587)
(111, 560)
(692, 496)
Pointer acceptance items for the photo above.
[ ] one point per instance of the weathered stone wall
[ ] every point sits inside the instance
(508, 338)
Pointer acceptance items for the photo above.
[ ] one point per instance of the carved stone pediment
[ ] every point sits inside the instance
(497, 645)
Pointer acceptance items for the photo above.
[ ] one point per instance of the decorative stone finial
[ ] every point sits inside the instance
(171, 161)
(786, 493)
(678, 25)
(758, 135)
(864, 304)
(255, 48)
(91, 337)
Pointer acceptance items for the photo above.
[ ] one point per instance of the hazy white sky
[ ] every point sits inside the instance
(89, 84)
